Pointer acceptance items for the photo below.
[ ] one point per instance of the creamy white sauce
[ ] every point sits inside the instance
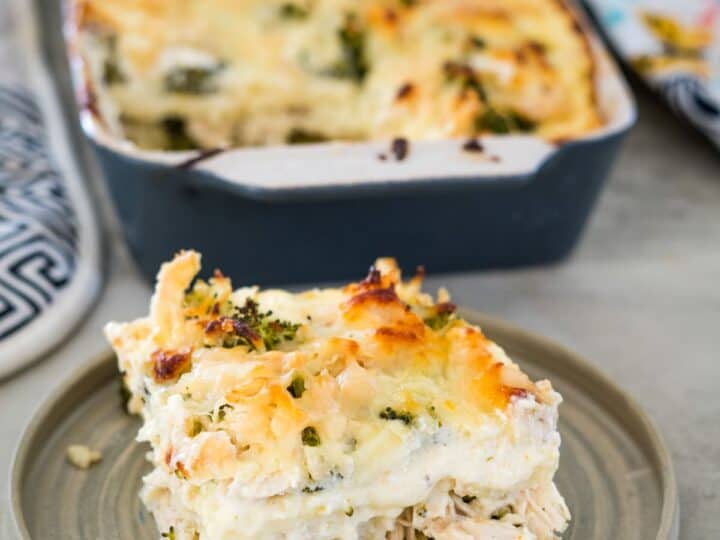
(492, 463)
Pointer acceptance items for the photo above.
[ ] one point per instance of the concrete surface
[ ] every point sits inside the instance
(640, 298)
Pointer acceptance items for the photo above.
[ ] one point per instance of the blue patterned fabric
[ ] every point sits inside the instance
(38, 228)
(675, 46)
(690, 97)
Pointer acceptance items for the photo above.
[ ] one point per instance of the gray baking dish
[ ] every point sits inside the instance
(318, 212)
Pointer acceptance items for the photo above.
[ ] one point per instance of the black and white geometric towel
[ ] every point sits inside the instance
(49, 260)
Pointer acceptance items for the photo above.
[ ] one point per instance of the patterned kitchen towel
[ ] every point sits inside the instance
(49, 243)
(675, 46)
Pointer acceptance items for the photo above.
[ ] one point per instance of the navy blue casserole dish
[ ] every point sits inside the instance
(321, 211)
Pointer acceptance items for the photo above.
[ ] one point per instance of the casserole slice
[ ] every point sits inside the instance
(370, 411)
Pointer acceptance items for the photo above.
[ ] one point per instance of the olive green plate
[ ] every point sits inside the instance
(615, 471)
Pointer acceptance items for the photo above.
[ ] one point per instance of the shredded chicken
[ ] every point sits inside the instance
(535, 514)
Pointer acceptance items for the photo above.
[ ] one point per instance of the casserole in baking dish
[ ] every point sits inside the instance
(181, 74)
(506, 200)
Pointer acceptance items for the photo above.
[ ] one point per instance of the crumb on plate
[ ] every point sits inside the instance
(82, 457)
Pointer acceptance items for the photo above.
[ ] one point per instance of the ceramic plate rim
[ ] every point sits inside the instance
(668, 528)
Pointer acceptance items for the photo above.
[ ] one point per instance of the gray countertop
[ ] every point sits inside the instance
(640, 298)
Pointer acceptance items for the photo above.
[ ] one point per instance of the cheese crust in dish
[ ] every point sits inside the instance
(180, 74)
(370, 411)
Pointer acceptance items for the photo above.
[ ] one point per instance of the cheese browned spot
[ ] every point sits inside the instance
(405, 91)
(169, 365)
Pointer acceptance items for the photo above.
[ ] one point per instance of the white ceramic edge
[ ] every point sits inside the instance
(343, 163)
(73, 302)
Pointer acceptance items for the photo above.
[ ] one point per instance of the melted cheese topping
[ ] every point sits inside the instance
(324, 414)
(172, 74)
